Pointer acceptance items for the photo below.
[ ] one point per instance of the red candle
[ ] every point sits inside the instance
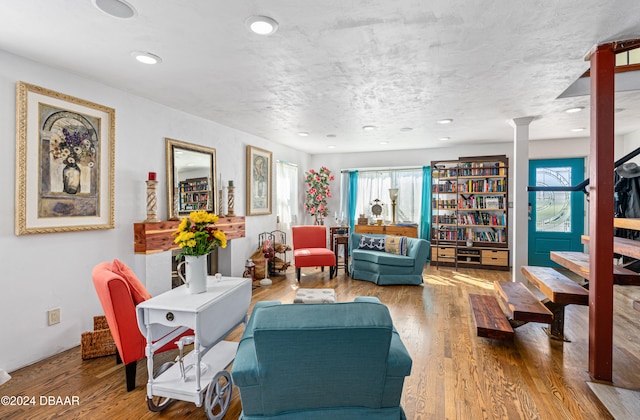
(152, 176)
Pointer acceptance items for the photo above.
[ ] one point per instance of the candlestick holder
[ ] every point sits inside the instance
(230, 199)
(152, 202)
(221, 202)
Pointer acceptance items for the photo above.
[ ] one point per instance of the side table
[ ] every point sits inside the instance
(344, 241)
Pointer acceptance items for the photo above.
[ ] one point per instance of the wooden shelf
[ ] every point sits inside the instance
(149, 238)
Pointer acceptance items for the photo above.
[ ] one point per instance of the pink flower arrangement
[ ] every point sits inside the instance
(318, 192)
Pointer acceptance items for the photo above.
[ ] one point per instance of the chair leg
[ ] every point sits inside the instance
(298, 274)
(118, 358)
(130, 372)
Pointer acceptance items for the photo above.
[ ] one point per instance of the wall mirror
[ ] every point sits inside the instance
(191, 182)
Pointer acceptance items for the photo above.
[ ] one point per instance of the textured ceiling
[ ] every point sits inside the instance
(337, 65)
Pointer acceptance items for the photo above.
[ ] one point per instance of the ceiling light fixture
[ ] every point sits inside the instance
(262, 25)
(574, 110)
(146, 58)
(119, 9)
(332, 146)
(303, 134)
(368, 127)
(445, 121)
(578, 129)
(384, 142)
(444, 138)
(331, 136)
(406, 129)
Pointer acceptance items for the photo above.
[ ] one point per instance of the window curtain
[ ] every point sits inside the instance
(425, 225)
(351, 209)
(287, 202)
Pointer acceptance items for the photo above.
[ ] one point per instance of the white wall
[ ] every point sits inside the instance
(42, 272)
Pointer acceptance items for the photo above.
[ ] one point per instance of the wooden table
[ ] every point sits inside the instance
(344, 241)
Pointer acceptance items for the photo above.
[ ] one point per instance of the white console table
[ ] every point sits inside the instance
(211, 315)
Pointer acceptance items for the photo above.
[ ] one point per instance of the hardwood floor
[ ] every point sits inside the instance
(455, 374)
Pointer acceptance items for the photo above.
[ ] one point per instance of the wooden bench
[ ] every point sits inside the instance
(522, 304)
(578, 262)
(560, 291)
(490, 321)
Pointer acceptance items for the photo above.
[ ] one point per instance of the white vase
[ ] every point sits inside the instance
(195, 273)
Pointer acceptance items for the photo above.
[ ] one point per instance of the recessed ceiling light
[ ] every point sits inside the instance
(445, 121)
(262, 25)
(574, 110)
(303, 133)
(444, 138)
(368, 127)
(384, 142)
(332, 146)
(578, 129)
(406, 129)
(146, 58)
(115, 8)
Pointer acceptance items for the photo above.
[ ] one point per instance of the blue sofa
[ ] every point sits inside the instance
(384, 268)
(318, 361)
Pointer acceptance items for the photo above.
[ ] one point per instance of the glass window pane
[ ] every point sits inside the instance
(553, 208)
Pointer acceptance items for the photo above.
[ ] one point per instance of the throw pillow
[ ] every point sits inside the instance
(372, 243)
(138, 291)
(396, 244)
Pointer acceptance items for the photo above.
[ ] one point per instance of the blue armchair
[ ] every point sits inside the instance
(318, 361)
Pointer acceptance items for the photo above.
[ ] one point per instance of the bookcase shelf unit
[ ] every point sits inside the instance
(195, 194)
(470, 212)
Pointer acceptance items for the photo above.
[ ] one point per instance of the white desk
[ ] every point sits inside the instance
(211, 315)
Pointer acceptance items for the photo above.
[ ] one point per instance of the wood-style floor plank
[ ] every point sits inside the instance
(455, 375)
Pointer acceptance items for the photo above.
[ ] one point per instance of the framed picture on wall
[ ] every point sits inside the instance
(259, 181)
(64, 162)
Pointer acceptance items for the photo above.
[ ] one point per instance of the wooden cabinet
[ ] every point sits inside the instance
(470, 210)
(398, 230)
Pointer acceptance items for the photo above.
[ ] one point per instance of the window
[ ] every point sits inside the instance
(287, 194)
(375, 184)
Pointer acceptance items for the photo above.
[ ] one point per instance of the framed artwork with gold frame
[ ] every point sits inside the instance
(259, 181)
(65, 161)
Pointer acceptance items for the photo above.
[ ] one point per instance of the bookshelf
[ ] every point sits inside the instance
(195, 194)
(470, 212)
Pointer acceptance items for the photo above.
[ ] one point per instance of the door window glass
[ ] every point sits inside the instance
(553, 208)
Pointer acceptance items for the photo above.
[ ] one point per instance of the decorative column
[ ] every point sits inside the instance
(601, 158)
(520, 196)
(230, 200)
(152, 200)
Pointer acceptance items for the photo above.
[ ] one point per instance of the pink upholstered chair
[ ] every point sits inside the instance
(119, 291)
(310, 249)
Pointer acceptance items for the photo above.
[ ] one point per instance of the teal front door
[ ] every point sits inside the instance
(556, 219)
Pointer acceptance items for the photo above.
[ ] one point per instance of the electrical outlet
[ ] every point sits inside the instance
(54, 316)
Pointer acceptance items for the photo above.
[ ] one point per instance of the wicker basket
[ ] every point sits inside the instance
(99, 342)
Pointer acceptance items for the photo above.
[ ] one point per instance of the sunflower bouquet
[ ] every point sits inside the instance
(197, 235)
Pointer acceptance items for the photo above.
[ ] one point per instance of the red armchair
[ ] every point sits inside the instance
(310, 249)
(119, 291)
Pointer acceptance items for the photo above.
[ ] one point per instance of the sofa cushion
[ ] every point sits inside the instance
(382, 258)
(395, 244)
(372, 243)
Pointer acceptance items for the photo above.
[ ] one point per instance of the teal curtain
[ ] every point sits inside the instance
(425, 225)
(353, 198)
